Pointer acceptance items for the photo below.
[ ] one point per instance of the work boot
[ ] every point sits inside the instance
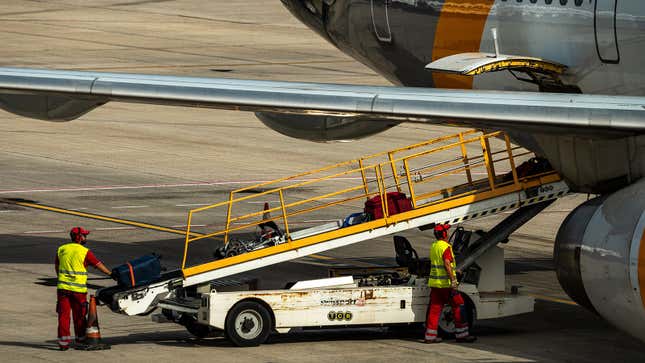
(466, 339)
(432, 341)
(63, 347)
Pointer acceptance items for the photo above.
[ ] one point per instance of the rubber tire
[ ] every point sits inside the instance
(196, 329)
(261, 311)
(200, 331)
(470, 318)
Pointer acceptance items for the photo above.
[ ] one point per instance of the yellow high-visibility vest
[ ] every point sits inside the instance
(438, 274)
(72, 274)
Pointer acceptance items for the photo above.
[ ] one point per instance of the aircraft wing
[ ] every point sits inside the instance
(57, 95)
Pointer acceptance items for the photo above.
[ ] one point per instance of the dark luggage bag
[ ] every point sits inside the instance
(355, 218)
(137, 272)
(396, 203)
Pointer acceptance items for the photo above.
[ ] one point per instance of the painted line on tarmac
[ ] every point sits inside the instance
(152, 186)
(553, 299)
(323, 264)
(122, 187)
(43, 232)
(103, 218)
(185, 225)
(130, 206)
(113, 228)
(338, 262)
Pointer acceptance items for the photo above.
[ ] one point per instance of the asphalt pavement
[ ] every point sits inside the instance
(141, 164)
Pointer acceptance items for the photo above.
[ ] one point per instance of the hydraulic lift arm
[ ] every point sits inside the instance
(502, 230)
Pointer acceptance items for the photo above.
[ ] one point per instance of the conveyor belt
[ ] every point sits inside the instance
(413, 170)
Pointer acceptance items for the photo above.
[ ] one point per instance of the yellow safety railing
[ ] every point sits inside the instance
(420, 171)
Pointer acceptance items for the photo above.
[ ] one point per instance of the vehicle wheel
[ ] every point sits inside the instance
(248, 324)
(197, 329)
(447, 318)
(235, 248)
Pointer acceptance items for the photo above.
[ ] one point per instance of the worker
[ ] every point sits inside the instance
(443, 284)
(71, 261)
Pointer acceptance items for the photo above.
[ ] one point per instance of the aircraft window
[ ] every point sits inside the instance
(563, 2)
(578, 2)
(548, 2)
(533, 1)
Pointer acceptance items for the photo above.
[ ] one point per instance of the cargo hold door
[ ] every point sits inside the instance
(381, 20)
(605, 28)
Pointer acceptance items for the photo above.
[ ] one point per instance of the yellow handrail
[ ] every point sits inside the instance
(370, 170)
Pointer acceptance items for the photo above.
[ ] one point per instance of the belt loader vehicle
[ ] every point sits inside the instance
(199, 296)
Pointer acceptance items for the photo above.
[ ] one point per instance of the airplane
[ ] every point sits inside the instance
(562, 77)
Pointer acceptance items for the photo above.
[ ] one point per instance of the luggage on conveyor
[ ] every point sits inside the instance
(396, 203)
(137, 272)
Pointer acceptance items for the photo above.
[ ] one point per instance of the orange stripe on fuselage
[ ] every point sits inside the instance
(459, 30)
(641, 267)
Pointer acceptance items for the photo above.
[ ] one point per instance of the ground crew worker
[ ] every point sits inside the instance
(443, 284)
(71, 262)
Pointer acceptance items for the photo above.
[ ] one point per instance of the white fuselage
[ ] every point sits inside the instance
(568, 34)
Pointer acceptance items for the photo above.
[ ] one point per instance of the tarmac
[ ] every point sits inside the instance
(152, 164)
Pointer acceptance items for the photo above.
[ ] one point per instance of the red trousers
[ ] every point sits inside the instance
(76, 302)
(438, 299)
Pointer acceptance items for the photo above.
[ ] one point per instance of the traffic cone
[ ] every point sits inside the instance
(93, 333)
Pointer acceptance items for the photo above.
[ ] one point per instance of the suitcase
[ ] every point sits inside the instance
(137, 272)
(355, 218)
(396, 203)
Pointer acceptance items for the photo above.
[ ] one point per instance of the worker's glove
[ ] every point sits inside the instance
(453, 283)
(114, 275)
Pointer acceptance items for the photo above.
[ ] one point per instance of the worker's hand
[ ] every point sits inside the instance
(114, 275)
(453, 283)
(459, 274)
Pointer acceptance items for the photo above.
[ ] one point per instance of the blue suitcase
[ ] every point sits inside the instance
(137, 272)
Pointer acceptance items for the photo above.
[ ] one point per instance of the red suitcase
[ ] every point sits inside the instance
(396, 203)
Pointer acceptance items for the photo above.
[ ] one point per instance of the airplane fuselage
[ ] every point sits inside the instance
(600, 41)
(601, 44)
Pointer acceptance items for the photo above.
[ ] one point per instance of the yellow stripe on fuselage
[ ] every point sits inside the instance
(459, 30)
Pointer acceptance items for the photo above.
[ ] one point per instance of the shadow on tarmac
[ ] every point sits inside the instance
(568, 333)
(48, 345)
(518, 266)
(26, 249)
